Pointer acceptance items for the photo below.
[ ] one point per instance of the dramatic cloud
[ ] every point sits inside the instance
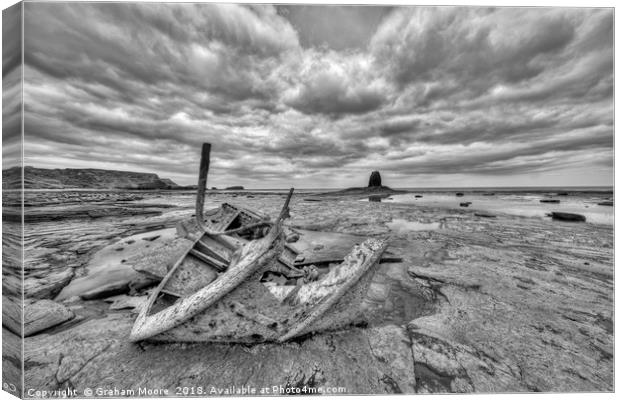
(11, 86)
(318, 96)
(331, 83)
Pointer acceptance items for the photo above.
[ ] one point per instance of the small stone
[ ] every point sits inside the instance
(378, 292)
(484, 214)
(292, 238)
(151, 238)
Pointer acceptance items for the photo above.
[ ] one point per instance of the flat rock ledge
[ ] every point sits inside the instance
(97, 353)
(39, 315)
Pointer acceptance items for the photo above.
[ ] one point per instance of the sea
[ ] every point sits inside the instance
(520, 201)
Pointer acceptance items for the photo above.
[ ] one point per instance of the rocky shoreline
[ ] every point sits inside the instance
(477, 304)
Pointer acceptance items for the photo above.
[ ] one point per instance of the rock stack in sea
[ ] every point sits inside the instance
(375, 179)
(375, 188)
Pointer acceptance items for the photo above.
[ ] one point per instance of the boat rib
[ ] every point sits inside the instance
(370, 251)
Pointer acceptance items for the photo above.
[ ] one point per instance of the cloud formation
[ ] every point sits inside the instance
(430, 96)
(11, 86)
(326, 82)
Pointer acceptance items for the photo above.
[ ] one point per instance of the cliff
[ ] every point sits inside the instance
(70, 178)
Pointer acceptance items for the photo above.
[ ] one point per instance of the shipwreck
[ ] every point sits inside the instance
(241, 281)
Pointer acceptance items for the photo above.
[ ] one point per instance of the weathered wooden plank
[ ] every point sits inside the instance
(192, 275)
(220, 266)
(321, 295)
(225, 221)
(216, 247)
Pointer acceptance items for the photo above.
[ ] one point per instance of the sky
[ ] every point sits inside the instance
(320, 96)
(11, 87)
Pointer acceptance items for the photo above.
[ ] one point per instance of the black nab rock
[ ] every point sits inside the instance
(375, 179)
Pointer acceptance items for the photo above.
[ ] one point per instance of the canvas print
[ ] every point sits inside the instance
(206, 199)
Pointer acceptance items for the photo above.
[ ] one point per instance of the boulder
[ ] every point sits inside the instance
(555, 201)
(465, 204)
(292, 237)
(375, 179)
(460, 194)
(564, 216)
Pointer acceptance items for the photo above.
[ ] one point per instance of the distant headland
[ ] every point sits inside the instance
(73, 178)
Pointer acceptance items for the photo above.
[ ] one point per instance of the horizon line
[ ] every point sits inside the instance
(336, 188)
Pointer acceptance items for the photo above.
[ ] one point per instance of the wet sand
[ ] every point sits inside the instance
(502, 304)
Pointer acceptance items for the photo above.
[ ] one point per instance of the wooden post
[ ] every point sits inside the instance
(285, 211)
(202, 183)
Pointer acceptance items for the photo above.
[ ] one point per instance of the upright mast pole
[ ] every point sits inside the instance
(205, 159)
